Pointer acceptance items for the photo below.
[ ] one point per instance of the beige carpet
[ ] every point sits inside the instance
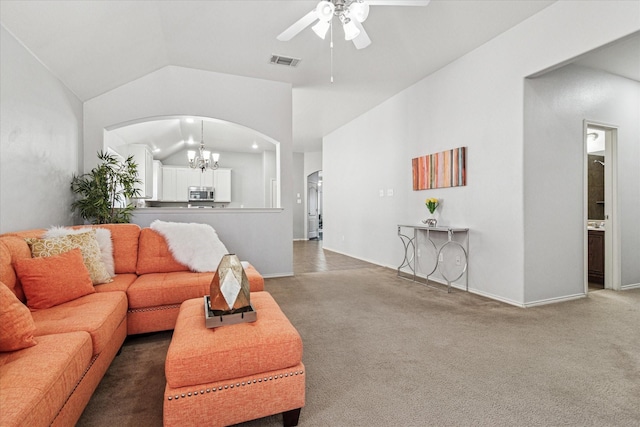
(383, 351)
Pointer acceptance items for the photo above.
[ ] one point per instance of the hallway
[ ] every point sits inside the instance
(310, 257)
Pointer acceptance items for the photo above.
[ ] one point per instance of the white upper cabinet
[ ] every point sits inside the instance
(144, 159)
(222, 185)
(206, 178)
(169, 182)
(157, 180)
(176, 181)
(183, 178)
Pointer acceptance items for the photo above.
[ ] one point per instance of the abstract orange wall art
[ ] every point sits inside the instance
(440, 170)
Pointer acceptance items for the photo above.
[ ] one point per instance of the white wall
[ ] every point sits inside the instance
(262, 105)
(312, 163)
(299, 185)
(270, 173)
(557, 104)
(40, 141)
(476, 101)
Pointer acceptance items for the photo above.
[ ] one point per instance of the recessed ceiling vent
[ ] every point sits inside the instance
(284, 60)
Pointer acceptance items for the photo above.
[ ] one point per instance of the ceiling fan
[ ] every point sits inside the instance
(350, 13)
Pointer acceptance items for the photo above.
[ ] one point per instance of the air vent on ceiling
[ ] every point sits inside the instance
(284, 60)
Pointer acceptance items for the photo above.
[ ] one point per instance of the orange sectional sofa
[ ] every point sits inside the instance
(51, 382)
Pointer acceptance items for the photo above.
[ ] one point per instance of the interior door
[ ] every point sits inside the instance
(312, 211)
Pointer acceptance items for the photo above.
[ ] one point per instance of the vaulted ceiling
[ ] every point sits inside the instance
(96, 46)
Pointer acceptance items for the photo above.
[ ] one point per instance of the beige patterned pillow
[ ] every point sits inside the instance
(87, 244)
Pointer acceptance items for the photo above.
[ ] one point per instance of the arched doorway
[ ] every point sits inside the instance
(314, 206)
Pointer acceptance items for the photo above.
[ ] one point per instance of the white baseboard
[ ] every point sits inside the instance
(274, 275)
(554, 300)
(631, 286)
(359, 258)
(482, 293)
(497, 298)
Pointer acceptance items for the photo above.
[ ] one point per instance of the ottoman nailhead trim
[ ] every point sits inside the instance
(230, 386)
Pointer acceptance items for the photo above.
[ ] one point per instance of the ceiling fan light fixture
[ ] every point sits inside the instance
(324, 10)
(350, 30)
(359, 11)
(321, 28)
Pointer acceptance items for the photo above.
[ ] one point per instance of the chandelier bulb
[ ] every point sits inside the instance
(359, 11)
(324, 10)
(321, 28)
(350, 30)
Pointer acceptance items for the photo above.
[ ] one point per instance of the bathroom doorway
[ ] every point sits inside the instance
(601, 258)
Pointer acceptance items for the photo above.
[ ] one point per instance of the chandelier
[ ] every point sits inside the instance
(203, 160)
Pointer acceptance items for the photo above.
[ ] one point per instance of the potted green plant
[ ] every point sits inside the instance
(105, 192)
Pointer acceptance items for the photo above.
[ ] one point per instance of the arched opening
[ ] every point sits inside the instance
(249, 159)
(314, 206)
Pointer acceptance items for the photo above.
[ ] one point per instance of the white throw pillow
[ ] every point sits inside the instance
(103, 236)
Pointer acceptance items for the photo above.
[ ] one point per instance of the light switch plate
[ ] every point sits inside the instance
(389, 192)
(381, 193)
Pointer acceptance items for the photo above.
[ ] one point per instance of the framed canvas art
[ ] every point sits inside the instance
(440, 170)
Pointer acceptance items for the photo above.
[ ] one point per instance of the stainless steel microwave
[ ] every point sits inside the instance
(204, 194)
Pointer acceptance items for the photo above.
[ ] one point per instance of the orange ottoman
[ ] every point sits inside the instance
(236, 373)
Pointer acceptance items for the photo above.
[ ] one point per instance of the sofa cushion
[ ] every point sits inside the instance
(121, 282)
(99, 314)
(53, 280)
(154, 255)
(86, 242)
(12, 248)
(16, 323)
(125, 239)
(158, 289)
(35, 382)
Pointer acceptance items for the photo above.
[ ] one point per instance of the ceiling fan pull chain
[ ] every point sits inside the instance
(331, 49)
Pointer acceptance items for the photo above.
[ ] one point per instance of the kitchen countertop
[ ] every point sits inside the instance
(196, 210)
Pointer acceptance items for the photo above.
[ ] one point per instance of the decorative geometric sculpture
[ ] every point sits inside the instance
(229, 289)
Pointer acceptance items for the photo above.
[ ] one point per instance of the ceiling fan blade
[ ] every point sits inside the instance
(298, 26)
(398, 2)
(363, 39)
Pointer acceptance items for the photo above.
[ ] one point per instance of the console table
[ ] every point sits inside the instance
(418, 234)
